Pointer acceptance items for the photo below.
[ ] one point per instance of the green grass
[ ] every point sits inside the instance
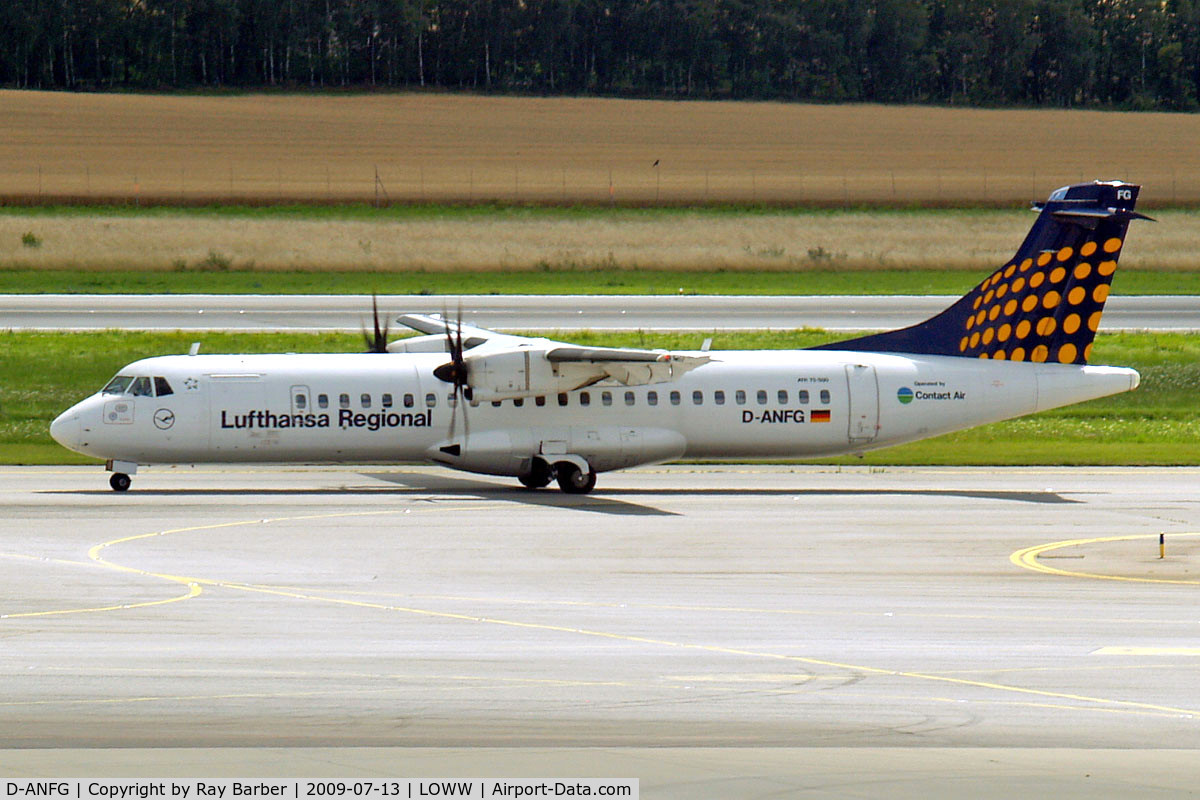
(596, 282)
(41, 374)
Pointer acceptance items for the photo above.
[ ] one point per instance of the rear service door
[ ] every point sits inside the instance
(863, 391)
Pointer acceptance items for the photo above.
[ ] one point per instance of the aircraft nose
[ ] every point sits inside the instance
(65, 429)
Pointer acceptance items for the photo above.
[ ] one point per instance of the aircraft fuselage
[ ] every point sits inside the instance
(390, 407)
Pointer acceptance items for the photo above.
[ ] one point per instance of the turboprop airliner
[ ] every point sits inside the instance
(542, 411)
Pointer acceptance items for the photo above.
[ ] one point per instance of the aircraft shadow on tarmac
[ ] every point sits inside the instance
(446, 484)
(452, 485)
(422, 483)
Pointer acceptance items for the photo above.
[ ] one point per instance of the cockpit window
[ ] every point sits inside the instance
(142, 388)
(161, 387)
(117, 385)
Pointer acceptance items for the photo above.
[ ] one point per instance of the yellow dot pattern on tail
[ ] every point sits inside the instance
(1046, 310)
(1044, 304)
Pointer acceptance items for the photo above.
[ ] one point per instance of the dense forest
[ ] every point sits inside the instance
(1111, 53)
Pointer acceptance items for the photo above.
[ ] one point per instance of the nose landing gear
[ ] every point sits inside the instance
(121, 470)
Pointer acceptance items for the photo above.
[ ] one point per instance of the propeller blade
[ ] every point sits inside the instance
(378, 342)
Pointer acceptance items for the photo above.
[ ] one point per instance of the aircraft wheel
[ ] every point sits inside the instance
(539, 476)
(119, 482)
(572, 481)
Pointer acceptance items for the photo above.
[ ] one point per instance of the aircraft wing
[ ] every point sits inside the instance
(502, 366)
(439, 326)
(531, 370)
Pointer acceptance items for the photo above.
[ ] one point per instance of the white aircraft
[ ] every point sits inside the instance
(541, 410)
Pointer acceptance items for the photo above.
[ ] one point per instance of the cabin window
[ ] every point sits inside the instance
(674, 398)
(719, 397)
(783, 397)
(762, 397)
(117, 385)
(161, 387)
(387, 400)
(804, 397)
(652, 398)
(301, 402)
(365, 400)
(409, 401)
(518, 401)
(585, 399)
(539, 401)
(141, 388)
(606, 398)
(824, 395)
(343, 400)
(562, 398)
(629, 399)
(323, 401)
(739, 397)
(431, 400)
(697, 398)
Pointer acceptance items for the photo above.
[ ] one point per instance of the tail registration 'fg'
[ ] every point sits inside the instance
(542, 411)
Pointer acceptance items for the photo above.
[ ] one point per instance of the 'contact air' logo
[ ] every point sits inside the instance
(904, 395)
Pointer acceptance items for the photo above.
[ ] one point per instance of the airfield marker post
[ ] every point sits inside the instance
(1162, 545)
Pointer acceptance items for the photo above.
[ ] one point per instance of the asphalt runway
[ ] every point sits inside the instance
(713, 631)
(531, 312)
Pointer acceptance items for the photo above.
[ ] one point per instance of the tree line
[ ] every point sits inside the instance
(1106, 53)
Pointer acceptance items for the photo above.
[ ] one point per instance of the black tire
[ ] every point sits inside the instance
(537, 478)
(572, 480)
(119, 482)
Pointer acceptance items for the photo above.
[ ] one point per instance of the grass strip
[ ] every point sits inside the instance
(549, 281)
(41, 374)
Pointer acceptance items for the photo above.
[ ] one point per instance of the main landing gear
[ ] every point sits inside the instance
(119, 481)
(572, 480)
(540, 474)
(570, 476)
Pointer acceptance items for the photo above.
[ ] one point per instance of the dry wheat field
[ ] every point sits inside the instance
(683, 240)
(383, 148)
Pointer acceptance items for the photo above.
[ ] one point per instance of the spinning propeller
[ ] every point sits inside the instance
(456, 372)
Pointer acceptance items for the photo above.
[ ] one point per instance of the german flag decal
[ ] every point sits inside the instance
(819, 415)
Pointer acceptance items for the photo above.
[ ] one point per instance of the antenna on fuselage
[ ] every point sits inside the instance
(194, 349)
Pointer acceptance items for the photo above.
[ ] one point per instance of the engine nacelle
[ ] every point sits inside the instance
(523, 372)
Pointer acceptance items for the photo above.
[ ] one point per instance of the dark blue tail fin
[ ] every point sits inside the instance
(1045, 304)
